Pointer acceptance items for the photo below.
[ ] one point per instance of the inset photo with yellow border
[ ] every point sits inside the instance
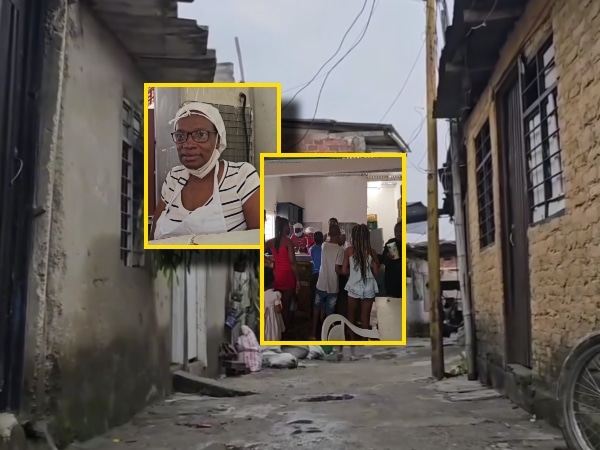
(202, 150)
(334, 246)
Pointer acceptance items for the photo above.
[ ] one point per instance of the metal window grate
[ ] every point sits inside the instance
(132, 187)
(238, 150)
(485, 183)
(346, 228)
(542, 135)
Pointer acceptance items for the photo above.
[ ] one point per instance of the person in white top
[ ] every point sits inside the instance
(332, 258)
(361, 265)
(344, 243)
(205, 195)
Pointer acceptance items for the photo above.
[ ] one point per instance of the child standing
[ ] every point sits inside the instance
(361, 264)
(274, 326)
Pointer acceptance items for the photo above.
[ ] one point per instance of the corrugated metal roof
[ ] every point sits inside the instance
(388, 135)
(471, 52)
(164, 47)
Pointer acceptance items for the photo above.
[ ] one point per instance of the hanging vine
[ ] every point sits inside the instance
(166, 262)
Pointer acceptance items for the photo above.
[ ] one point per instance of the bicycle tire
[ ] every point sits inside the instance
(580, 356)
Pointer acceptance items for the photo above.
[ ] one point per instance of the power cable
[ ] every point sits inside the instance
(362, 35)
(293, 88)
(414, 65)
(309, 82)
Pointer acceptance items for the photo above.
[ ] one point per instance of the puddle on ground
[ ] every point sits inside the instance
(384, 356)
(300, 422)
(327, 398)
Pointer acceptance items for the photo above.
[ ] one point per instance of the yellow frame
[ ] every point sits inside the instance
(402, 156)
(147, 86)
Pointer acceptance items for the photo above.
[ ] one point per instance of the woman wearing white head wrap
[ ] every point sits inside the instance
(205, 195)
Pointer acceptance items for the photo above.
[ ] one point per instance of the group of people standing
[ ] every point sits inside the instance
(340, 269)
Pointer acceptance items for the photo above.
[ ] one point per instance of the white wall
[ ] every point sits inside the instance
(344, 198)
(383, 202)
(280, 190)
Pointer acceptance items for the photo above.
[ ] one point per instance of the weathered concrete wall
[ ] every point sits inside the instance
(98, 342)
(266, 114)
(565, 251)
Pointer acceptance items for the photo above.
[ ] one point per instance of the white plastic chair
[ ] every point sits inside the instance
(333, 329)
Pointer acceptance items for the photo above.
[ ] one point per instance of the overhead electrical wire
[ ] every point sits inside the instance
(309, 82)
(319, 75)
(412, 68)
(358, 41)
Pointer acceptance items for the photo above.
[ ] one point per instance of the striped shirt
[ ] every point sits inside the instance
(238, 183)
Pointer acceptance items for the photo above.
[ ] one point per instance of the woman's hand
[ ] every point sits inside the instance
(297, 287)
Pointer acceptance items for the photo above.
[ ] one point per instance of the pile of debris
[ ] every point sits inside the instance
(247, 356)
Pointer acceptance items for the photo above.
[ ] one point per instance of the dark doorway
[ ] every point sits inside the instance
(515, 223)
(21, 53)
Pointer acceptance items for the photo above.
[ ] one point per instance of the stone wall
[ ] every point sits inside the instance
(320, 142)
(564, 251)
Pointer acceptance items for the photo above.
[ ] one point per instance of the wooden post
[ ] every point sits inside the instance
(433, 239)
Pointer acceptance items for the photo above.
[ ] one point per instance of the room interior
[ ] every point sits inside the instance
(351, 190)
(311, 191)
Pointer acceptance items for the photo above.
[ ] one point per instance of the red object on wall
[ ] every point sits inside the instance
(151, 97)
(151, 164)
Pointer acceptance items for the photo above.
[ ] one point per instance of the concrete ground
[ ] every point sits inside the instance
(384, 400)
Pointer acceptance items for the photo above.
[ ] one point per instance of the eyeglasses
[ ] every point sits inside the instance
(200, 136)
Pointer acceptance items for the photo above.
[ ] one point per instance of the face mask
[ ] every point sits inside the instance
(299, 234)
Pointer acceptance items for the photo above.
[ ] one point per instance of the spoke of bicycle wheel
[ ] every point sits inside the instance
(586, 403)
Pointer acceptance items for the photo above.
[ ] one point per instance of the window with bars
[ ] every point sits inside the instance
(238, 126)
(542, 135)
(485, 184)
(132, 187)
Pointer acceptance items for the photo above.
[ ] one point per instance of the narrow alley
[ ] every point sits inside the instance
(384, 400)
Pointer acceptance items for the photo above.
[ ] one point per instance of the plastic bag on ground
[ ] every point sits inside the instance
(270, 349)
(315, 352)
(299, 352)
(280, 361)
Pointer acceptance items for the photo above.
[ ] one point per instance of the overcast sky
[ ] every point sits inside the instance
(288, 40)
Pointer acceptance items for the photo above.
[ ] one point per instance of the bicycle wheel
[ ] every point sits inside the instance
(579, 395)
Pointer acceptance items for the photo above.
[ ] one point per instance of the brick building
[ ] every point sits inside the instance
(523, 79)
(306, 135)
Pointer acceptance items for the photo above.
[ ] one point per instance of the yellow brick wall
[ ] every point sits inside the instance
(564, 252)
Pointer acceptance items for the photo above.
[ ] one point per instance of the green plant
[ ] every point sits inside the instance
(168, 261)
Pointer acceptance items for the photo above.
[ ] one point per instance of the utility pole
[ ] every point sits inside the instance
(433, 232)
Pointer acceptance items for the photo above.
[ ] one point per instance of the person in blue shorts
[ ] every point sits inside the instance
(315, 255)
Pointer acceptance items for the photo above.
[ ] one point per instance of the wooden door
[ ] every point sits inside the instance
(515, 223)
